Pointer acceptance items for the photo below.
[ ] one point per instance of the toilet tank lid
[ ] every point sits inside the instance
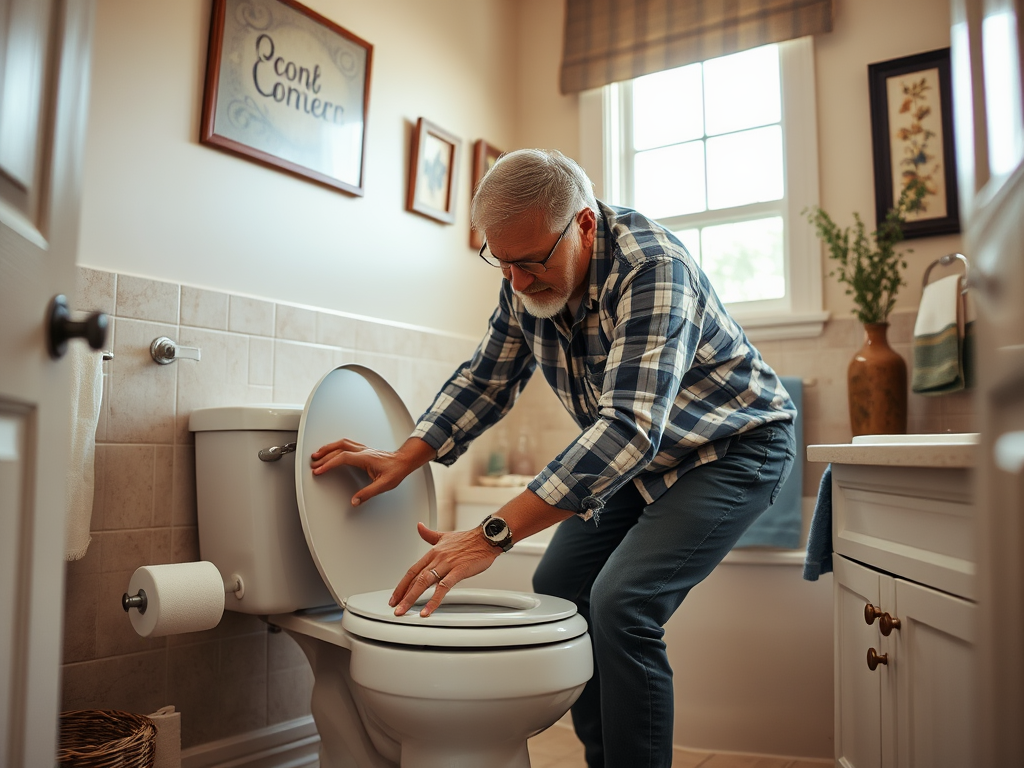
(271, 417)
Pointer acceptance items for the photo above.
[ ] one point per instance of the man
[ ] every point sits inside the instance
(686, 434)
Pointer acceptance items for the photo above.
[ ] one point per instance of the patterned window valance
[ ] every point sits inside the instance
(607, 41)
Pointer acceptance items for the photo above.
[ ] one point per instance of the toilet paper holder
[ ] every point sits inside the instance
(140, 601)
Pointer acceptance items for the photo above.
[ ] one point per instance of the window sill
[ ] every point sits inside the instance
(792, 325)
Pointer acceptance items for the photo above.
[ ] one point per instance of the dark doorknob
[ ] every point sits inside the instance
(60, 328)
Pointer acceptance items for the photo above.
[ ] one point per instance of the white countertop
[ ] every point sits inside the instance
(943, 450)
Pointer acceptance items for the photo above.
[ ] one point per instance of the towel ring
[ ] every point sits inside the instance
(945, 261)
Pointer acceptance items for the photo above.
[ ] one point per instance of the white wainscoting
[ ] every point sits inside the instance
(294, 744)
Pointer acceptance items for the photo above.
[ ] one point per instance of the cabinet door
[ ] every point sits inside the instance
(934, 678)
(859, 690)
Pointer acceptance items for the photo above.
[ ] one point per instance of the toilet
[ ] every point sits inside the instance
(462, 688)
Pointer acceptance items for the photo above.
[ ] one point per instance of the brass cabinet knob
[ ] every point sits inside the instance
(874, 659)
(888, 623)
(871, 613)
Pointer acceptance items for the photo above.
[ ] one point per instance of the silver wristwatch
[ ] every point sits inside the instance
(497, 532)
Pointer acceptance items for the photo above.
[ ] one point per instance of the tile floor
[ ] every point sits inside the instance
(557, 747)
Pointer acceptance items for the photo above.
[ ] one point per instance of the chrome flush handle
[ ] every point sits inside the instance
(275, 452)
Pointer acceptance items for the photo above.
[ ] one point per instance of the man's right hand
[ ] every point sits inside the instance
(386, 468)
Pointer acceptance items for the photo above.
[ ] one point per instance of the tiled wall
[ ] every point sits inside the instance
(238, 678)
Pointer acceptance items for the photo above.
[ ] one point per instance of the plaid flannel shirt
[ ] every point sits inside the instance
(657, 375)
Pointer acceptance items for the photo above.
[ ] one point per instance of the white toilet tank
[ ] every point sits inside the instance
(249, 524)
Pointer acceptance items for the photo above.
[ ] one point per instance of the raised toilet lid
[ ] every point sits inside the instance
(364, 548)
(467, 617)
(362, 552)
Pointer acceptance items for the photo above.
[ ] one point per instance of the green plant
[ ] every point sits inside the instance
(872, 272)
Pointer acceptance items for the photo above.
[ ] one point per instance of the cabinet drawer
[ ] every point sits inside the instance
(916, 522)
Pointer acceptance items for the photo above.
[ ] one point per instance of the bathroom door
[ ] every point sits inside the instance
(989, 123)
(44, 85)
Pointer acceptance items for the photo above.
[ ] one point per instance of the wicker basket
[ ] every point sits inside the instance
(93, 738)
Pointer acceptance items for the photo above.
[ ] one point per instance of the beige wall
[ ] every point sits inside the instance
(864, 32)
(159, 204)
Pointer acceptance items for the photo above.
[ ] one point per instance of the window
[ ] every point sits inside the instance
(724, 154)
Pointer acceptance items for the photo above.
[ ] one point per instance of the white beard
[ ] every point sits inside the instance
(544, 309)
(547, 304)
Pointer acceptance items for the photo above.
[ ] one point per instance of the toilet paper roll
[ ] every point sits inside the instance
(182, 597)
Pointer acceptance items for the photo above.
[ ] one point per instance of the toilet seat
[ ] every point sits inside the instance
(480, 618)
(354, 402)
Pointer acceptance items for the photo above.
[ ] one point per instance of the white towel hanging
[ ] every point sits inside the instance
(86, 397)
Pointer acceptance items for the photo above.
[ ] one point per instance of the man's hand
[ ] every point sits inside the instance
(453, 557)
(386, 468)
(460, 554)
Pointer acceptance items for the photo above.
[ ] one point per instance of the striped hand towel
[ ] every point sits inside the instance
(938, 338)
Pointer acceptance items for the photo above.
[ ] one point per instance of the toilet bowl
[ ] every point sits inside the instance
(463, 687)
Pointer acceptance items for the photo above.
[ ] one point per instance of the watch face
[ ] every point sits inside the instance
(495, 527)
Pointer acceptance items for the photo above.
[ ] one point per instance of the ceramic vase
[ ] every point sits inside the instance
(877, 386)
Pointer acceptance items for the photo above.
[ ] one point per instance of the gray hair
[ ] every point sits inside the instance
(544, 180)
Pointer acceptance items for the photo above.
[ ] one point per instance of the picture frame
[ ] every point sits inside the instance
(484, 156)
(912, 140)
(290, 89)
(433, 172)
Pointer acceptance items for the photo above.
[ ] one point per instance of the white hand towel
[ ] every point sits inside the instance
(938, 338)
(86, 397)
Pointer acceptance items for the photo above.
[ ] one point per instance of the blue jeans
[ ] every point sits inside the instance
(628, 575)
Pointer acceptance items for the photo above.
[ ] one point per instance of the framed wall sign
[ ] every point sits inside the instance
(912, 139)
(288, 88)
(484, 156)
(433, 172)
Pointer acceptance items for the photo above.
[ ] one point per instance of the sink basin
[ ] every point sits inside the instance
(948, 438)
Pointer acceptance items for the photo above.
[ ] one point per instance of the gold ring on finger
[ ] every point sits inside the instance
(436, 575)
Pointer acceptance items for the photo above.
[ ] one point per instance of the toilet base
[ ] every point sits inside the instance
(345, 742)
(361, 727)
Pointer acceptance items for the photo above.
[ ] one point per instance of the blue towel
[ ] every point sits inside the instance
(819, 541)
(782, 522)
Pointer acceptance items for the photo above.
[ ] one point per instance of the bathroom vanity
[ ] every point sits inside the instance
(904, 592)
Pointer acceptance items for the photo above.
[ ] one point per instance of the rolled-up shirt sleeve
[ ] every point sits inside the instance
(481, 391)
(658, 312)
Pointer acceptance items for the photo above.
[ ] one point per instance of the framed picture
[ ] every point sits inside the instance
(433, 172)
(288, 88)
(912, 138)
(484, 156)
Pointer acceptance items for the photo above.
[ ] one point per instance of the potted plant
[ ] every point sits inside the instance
(871, 268)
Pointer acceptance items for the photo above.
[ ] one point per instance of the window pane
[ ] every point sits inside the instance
(745, 168)
(742, 90)
(668, 107)
(670, 181)
(744, 261)
(691, 239)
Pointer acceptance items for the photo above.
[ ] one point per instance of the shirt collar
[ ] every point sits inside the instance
(601, 255)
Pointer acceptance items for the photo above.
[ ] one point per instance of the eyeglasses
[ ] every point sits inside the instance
(532, 267)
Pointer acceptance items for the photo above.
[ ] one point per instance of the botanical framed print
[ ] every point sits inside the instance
(484, 157)
(912, 139)
(433, 172)
(288, 88)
